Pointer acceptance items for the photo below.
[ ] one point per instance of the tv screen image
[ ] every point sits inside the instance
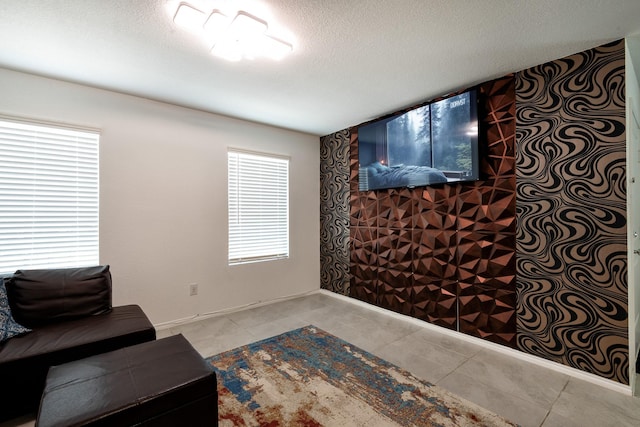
(428, 145)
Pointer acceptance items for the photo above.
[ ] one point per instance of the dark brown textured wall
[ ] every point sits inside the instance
(445, 254)
(571, 196)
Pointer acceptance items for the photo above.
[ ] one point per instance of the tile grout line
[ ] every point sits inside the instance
(554, 402)
(467, 359)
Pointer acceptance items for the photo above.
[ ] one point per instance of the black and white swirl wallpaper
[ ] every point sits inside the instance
(571, 212)
(334, 212)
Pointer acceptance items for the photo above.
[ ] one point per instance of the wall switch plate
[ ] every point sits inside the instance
(193, 289)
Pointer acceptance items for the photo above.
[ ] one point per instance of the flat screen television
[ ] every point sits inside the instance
(433, 144)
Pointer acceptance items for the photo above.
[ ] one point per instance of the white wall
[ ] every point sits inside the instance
(163, 209)
(633, 213)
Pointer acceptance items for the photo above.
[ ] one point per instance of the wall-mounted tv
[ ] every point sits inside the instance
(432, 144)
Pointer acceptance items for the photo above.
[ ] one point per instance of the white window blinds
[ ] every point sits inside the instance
(258, 207)
(48, 197)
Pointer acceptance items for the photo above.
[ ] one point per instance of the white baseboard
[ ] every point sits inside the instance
(558, 367)
(201, 316)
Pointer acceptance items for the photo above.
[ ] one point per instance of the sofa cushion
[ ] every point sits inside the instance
(39, 297)
(9, 328)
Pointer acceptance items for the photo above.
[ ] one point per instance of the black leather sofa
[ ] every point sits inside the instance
(70, 314)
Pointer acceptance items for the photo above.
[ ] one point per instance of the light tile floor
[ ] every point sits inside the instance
(526, 393)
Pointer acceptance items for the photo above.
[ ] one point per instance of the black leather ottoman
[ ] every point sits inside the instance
(158, 383)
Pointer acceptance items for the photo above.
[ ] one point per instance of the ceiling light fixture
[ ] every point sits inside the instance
(276, 48)
(189, 18)
(215, 26)
(233, 38)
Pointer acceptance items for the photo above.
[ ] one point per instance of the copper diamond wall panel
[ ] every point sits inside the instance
(434, 254)
(435, 301)
(485, 218)
(364, 290)
(364, 251)
(499, 126)
(421, 253)
(364, 209)
(394, 257)
(364, 264)
(434, 208)
(488, 312)
(486, 259)
(394, 296)
(487, 296)
(395, 208)
(353, 163)
(489, 206)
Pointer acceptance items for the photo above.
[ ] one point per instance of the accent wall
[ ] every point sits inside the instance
(445, 254)
(532, 256)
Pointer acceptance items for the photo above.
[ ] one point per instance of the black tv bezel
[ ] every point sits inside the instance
(476, 151)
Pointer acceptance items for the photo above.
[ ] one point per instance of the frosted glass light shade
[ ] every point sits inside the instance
(227, 50)
(216, 25)
(275, 48)
(241, 36)
(247, 26)
(189, 18)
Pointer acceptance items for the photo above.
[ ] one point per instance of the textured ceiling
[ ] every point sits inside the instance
(353, 60)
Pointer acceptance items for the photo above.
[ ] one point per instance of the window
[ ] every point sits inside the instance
(258, 207)
(48, 197)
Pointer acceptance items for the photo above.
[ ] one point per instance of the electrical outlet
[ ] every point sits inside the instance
(193, 289)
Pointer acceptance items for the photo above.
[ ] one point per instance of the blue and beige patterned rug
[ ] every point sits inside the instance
(308, 377)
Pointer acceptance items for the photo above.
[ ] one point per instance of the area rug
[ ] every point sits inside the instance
(308, 377)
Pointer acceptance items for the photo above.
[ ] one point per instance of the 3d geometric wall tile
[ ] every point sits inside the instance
(394, 269)
(434, 208)
(364, 264)
(486, 259)
(393, 296)
(435, 301)
(364, 209)
(488, 207)
(395, 249)
(395, 208)
(353, 163)
(364, 290)
(363, 248)
(499, 126)
(434, 254)
(488, 313)
(416, 251)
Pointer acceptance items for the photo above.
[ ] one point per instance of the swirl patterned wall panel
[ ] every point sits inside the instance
(334, 212)
(571, 212)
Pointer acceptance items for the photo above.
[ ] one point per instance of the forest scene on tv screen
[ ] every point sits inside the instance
(431, 144)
